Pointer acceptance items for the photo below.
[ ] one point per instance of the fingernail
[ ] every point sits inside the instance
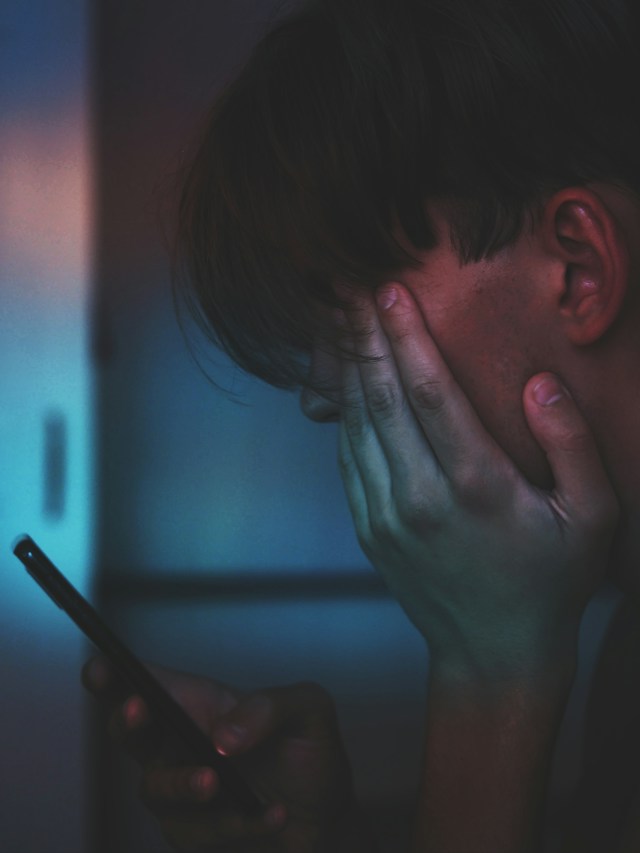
(386, 297)
(134, 712)
(229, 738)
(548, 391)
(202, 782)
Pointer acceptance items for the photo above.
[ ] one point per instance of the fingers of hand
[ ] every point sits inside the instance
(203, 827)
(378, 400)
(129, 721)
(361, 454)
(454, 432)
(184, 800)
(583, 492)
(133, 728)
(256, 718)
(388, 468)
(130, 717)
(397, 473)
(245, 726)
(354, 488)
(101, 679)
(166, 786)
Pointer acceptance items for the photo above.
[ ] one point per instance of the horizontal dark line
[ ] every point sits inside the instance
(119, 586)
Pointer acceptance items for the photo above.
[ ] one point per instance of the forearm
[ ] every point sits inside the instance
(488, 752)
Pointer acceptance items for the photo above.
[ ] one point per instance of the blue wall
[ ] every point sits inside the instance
(45, 233)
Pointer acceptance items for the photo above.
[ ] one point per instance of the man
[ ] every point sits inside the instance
(426, 214)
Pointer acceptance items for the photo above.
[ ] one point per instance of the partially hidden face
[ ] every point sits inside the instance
(493, 322)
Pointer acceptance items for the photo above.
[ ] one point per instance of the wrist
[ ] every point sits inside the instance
(546, 667)
(490, 735)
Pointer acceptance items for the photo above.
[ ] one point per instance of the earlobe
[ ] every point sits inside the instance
(592, 247)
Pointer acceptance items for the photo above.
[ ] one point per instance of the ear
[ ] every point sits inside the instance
(583, 234)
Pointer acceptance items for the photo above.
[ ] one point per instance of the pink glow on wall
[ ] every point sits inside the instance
(45, 213)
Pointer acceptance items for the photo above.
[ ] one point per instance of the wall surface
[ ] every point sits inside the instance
(188, 478)
(45, 413)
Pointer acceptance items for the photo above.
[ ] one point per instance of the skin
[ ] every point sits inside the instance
(492, 500)
(494, 572)
(428, 488)
(576, 314)
(284, 741)
(561, 299)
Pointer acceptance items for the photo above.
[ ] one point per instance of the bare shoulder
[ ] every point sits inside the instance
(607, 806)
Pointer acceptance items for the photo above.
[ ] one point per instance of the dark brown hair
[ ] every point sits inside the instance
(349, 114)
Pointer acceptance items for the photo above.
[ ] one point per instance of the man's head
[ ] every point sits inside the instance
(474, 149)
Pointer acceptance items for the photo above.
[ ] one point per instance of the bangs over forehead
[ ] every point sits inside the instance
(290, 191)
(348, 115)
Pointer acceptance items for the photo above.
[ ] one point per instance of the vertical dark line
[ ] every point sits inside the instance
(54, 465)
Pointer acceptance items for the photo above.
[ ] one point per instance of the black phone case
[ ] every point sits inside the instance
(161, 703)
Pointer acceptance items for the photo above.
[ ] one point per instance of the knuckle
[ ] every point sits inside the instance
(383, 399)
(472, 488)
(382, 528)
(420, 513)
(348, 469)
(412, 508)
(361, 329)
(401, 330)
(424, 506)
(576, 441)
(427, 394)
(355, 421)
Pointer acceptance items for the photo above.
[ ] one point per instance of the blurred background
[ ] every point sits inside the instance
(213, 535)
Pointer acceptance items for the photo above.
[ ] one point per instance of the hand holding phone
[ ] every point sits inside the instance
(197, 746)
(286, 740)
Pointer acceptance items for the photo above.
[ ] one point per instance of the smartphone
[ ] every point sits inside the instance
(161, 704)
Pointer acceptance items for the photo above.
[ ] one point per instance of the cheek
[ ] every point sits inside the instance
(492, 364)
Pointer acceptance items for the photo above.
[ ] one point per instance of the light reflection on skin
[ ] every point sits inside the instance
(498, 322)
(482, 317)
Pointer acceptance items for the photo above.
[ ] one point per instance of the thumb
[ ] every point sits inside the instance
(306, 709)
(583, 492)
